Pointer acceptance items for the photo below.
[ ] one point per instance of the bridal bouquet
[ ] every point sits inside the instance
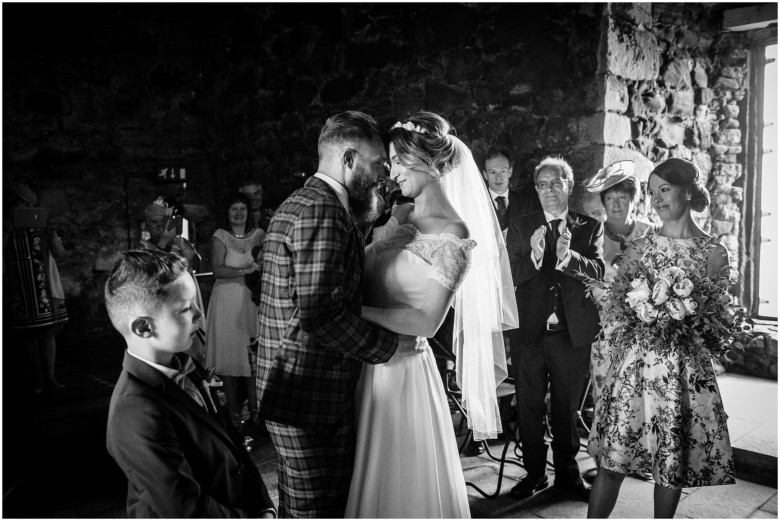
(654, 302)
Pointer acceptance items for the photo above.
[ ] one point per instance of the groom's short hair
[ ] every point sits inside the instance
(349, 126)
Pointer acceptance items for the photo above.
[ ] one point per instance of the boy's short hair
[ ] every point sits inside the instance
(140, 280)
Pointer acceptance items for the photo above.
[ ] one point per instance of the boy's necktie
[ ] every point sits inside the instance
(187, 385)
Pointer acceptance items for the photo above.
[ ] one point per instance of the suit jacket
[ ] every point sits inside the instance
(312, 341)
(180, 460)
(519, 205)
(532, 285)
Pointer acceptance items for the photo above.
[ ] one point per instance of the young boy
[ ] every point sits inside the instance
(165, 430)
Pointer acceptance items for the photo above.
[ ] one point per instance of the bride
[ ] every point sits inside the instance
(443, 250)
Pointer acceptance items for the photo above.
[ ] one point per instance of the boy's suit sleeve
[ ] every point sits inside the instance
(147, 449)
(319, 242)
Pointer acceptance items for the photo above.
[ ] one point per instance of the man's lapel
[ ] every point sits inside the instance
(170, 390)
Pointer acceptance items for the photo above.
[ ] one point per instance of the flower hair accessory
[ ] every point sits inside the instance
(411, 127)
(574, 222)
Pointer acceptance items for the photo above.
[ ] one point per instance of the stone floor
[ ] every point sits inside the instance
(55, 464)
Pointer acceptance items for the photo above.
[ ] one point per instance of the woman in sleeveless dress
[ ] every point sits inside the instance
(663, 413)
(232, 316)
(440, 251)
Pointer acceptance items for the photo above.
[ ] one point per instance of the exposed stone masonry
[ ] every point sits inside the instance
(237, 91)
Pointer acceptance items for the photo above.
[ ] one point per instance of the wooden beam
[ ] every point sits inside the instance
(752, 17)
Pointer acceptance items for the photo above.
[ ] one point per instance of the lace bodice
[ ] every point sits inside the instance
(239, 250)
(402, 259)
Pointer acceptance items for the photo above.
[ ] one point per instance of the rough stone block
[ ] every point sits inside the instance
(671, 134)
(731, 72)
(726, 83)
(677, 73)
(731, 136)
(686, 37)
(682, 152)
(617, 129)
(640, 13)
(730, 110)
(682, 103)
(718, 150)
(704, 162)
(700, 78)
(632, 56)
(647, 98)
(668, 13)
(721, 227)
(704, 96)
(615, 97)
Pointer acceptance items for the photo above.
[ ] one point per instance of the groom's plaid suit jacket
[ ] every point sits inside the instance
(312, 340)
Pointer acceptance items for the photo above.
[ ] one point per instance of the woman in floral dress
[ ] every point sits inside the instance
(660, 409)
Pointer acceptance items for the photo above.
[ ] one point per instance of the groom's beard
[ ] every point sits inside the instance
(365, 200)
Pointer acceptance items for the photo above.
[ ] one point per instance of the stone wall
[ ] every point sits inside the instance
(236, 91)
(674, 86)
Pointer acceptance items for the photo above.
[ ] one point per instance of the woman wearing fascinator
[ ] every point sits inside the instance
(444, 249)
(619, 192)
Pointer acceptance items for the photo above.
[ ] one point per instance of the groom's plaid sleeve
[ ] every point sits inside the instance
(320, 241)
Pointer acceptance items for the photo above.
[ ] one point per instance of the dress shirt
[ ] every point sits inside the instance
(562, 263)
(341, 191)
(493, 196)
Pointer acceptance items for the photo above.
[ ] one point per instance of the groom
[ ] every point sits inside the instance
(312, 342)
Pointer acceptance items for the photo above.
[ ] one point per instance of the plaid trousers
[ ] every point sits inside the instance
(314, 468)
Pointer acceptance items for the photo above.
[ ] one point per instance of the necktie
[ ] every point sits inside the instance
(186, 384)
(501, 206)
(554, 224)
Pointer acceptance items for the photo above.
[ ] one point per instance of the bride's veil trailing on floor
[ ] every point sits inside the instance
(485, 303)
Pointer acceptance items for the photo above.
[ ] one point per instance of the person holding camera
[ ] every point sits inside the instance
(163, 221)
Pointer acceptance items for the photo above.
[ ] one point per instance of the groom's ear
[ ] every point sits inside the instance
(349, 157)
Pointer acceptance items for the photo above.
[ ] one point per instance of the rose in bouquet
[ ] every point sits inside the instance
(656, 303)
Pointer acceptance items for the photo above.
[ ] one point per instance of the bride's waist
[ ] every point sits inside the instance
(411, 345)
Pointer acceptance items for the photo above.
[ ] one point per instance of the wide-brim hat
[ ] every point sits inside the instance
(611, 175)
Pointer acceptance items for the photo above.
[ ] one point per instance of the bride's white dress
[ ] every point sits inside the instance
(407, 463)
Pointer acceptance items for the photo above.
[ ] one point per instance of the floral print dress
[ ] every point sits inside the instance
(663, 413)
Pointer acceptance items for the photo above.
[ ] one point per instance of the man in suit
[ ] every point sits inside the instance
(549, 252)
(166, 429)
(258, 216)
(508, 204)
(312, 341)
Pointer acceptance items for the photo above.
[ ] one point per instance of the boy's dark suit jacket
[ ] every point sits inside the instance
(180, 460)
(532, 285)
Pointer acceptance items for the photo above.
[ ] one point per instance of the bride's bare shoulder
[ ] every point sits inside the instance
(456, 228)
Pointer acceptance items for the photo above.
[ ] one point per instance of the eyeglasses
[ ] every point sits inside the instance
(503, 171)
(544, 185)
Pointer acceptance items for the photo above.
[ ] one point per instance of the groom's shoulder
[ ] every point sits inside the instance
(315, 192)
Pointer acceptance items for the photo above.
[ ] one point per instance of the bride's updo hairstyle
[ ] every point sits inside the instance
(679, 172)
(422, 142)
